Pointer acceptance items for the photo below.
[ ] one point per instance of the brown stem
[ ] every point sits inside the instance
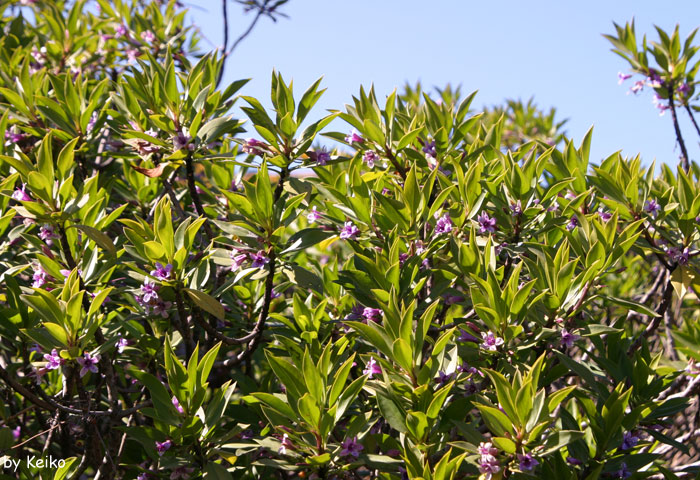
(392, 158)
(661, 311)
(195, 196)
(685, 163)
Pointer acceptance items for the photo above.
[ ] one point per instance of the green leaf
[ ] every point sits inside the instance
(98, 237)
(214, 471)
(207, 303)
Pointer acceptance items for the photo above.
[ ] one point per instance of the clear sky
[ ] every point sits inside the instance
(550, 50)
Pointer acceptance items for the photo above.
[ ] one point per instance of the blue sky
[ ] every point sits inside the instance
(550, 50)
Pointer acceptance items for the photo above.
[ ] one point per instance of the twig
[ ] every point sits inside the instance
(661, 310)
(195, 197)
(685, 163)
(224, 5)
(692, 118)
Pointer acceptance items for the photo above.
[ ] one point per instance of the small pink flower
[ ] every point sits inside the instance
(162, 447)
(88, 363)
(490, 341)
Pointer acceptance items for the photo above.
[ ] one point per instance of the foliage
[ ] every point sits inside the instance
(450, 294)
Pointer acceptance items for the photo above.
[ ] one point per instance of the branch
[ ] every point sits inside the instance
(661, 310)
(195, 197)
(685, 163)
(25, 392)
(224, 6)
(692, 118)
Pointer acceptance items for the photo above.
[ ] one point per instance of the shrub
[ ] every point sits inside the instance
(448, 294)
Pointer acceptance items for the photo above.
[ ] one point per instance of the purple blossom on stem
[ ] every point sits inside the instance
(486, 223)
(16, 432)
(162, 272)
(683, 89)
(370, 158)
(40, 276)
(14, 137)
(314, 215)
(637, 87)
(372, 368)
(443, 378)
(652, 207)
(177, 405)
(516, 209)
(259, 259)
(162, 447)
(568, 338)
(465, 336)
(88, 363)
(47, 234)
(21, 195)
(149, 290)
(351, 447)
(254, 147)
(678, 256)
(238, 259)
(527, 462)
(373, 314)
(120, 31)
(623, 472)
(604, 214)
(53, 360)
(353, 137)
(122, 343)
(429, 148)
(490, 341)
(161, 308)
(349, 231)
(443, 225)
(488, 466)
(621, 77)
(574, 460)
(486, 449)
(572, 223)
(182, 141)
(321, 157)
(629, 441)
(148, 36)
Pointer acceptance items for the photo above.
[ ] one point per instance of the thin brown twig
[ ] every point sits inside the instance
(685, 162)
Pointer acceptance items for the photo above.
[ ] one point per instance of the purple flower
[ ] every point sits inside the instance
(313, 216)
(162, 272)
(182, 141)
(47, 234)
(16, 432)
(121, 30)
(372, 368)
(443, 378)
(465, 336)
(429, 148)
(568, 338)
(349, 231)
(516, 209)
(373, 314)
(621, 77)
(122, 343)
(259, 259)
(149, 290)
(351, 447)
(54, 360)
(486, 223)
(652, 207)
(254, 147)
(177, 405)
(574, 460)
(629, 441)
(452, 299)
(527, 463)
(356, 313)
(370, 158)
(40, 276)
(148, 36)
(681, 257)
(238, 259)
(659, 103)
(572, 223)
(161, 308)
(637, 87)
(181, 473)
(683, 89)
(623, 472)
(443, 225)
(488, 466)
(486, 449)
(14, 137)
(604, 215)
(132, 54)
(162, 447)
(91, 123)
(490, 341)
(353, 137)
(88, 363)
(21, 195)
(321, 157)
(654, 80)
